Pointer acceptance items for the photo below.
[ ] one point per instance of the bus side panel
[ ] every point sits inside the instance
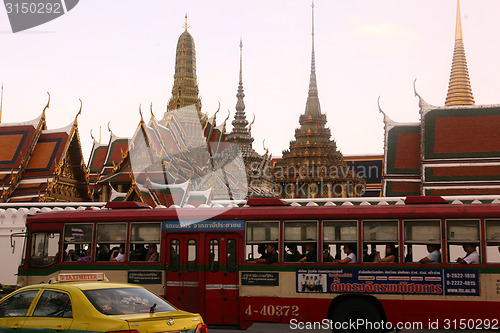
(293, 310)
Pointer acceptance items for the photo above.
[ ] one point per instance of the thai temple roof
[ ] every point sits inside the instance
(453, 149)
(40, 164)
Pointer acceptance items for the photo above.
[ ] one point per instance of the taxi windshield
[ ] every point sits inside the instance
(118, 301)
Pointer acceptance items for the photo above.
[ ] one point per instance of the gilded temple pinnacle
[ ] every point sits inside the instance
(459, 88)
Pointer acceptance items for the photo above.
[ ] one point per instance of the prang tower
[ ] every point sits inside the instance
(313, 166)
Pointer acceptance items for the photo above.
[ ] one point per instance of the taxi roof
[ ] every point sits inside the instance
(90, 285)
(81, 285)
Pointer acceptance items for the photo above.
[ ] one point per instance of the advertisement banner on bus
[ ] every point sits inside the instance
(212, 225)
(388, 281)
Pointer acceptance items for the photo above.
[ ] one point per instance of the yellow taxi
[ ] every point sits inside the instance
(88, 303)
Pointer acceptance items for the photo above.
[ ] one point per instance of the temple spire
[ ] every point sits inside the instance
(240, 133)
(185, 88)
(241, 59)
(186, 25)
(312, 106)
(313, 88)
(459, 87)
(240, 105)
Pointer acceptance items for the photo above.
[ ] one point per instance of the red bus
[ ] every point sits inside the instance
(212, 266)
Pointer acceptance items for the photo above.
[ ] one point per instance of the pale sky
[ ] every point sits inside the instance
(117, 54)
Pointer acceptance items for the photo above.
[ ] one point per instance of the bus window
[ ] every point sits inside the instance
(460, 232)
(419, 234)
(493, 241)
(258, 234)
(213, 255)
(231, 255)
(302, 236)
(335, 234)
(77, 240)
(108, 238)
(191, 252)
(143, 235)
(376, 236)
(175, 254)
(44, 249)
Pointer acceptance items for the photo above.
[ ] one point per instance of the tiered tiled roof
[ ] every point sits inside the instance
(42, 165)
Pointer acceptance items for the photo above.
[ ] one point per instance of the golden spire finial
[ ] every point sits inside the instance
(109, 129)
(48, 103)
(186, 25)
(250, 126)
(458, 29)
(459, 87)
(79, 111)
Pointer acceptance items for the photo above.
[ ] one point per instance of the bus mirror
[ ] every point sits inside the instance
(13, 242)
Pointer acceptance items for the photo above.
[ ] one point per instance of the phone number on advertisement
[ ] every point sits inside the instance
(470, 324)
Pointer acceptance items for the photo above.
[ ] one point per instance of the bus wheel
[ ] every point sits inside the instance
(356, 315)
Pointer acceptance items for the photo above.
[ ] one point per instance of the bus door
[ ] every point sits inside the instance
(221, 278)
(183, 275)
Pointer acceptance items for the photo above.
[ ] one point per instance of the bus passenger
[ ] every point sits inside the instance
(351, 255)
(294, 254)
(472, 256)
(271, 254)
(327, 257)
(117, 254)
(139, 253)
(434, 255)
(152, 253)
(261, 249)
(311, 255)
(391, 254)
(86, 257)
(369, 257)
(103, 253)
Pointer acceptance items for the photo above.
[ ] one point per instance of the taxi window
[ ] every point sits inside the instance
(17, 305)
(118, 301)
(53, 304)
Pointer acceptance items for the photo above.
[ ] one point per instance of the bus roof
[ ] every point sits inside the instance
(293, 212)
